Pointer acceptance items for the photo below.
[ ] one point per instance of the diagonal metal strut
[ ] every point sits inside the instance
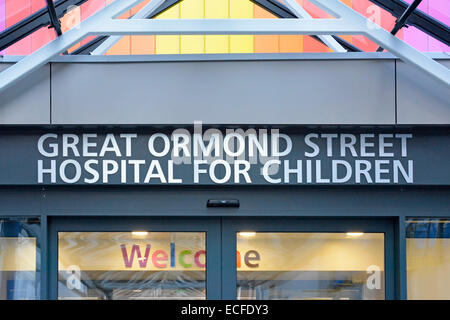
(418, 19)
(402, 20)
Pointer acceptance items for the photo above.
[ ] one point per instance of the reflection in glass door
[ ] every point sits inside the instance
(343, 266)
(131, 265)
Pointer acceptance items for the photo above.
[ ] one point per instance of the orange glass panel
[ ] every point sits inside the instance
(265, 43)
(312, 45)
(347, 38)
(142, 44)
(291, 43)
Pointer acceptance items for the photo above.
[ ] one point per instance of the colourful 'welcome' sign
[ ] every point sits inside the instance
(160, 259)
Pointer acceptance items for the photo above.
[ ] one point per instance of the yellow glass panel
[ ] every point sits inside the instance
(168, 44)
(428, 263)
(428, 258)
(217, 9)
(192, 9)
(17, 254)
(240, 9)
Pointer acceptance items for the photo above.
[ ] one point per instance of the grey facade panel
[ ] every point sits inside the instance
(255, 201)
(225, 92)
(28, 101)
(421, 99)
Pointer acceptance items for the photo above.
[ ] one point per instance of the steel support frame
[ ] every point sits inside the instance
(281, 11)
(301, 13)
(347, 21)
(34, 22)
(93, 44)
(403, 18)
(147, 10)
(273, 6)
(54, 19)
(418, 19)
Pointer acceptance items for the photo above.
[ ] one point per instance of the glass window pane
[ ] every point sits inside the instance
(428, 258)
(310, 265)
(131, 265)
(19, 259)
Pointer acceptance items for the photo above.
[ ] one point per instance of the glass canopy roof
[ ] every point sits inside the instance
(27, 25)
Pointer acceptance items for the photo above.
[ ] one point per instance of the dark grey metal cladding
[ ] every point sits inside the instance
(28, 101)
(255, 201)
(420, 98)
(225, 92)
(413, 157)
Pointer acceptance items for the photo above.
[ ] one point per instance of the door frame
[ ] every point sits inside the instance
(221, 241)
(232, 225)
(211, 227)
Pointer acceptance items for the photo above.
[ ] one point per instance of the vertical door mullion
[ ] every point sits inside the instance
(44, 258)
(389, 264)
(213, 259)
(52, 278)
(229, 274)
(400, 251)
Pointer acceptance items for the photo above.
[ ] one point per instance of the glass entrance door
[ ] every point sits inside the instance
(221, 258)
(135, 259)
(314, 259)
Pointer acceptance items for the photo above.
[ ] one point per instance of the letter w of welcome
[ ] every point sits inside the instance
(135, 248)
